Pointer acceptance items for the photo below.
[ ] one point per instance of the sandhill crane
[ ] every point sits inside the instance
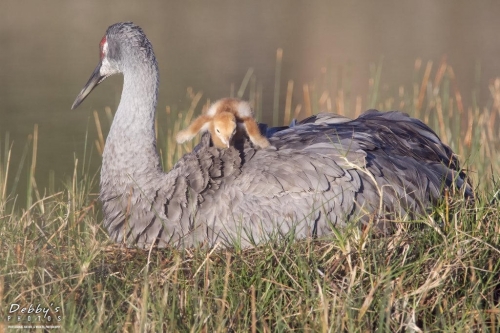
(321, 173)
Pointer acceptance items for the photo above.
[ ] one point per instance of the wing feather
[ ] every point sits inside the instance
(323, 172)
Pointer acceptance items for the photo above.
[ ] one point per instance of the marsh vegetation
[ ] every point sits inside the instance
(439, 272)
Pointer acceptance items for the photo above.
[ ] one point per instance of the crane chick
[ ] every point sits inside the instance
(224, 119)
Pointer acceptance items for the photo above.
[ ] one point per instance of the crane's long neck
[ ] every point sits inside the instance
(130, 152)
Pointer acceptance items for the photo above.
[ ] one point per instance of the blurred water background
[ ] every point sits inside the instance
(48, 49)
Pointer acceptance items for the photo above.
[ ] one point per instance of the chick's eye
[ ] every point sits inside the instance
(217, 130)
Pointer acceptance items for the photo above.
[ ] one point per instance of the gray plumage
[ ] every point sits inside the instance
(319, 173)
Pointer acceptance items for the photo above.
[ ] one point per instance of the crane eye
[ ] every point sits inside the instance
(217, 130)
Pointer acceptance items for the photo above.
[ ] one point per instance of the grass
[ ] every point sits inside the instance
(438, 273)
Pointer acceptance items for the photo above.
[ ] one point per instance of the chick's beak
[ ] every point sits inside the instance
(94, 80)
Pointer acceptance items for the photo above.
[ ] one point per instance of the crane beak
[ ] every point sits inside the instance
(94, 80)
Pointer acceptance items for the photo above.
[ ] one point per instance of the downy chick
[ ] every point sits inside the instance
(224, 119)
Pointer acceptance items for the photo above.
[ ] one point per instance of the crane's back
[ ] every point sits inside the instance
(325, 172)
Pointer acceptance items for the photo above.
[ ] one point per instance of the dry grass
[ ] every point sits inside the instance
(438, 273)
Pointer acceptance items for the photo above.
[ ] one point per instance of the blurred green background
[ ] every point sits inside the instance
(48, 49)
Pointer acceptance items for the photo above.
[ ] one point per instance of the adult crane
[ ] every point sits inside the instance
(319, 174)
